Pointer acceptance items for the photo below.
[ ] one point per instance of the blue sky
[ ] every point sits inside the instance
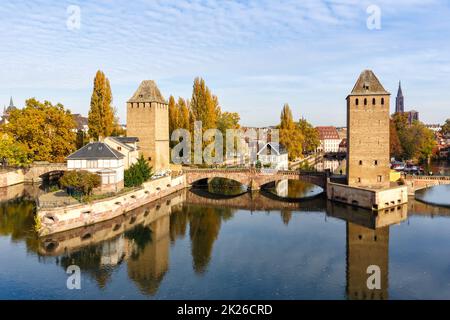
(254, 54)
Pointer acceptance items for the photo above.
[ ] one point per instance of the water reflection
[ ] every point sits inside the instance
(437, 195)
(146, 243)
(294, 189)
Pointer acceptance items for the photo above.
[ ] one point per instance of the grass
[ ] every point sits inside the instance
(95, 197)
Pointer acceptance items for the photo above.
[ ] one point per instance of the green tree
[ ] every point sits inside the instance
(44, 130)
(290, 135)
(137, 173)
(101, 118)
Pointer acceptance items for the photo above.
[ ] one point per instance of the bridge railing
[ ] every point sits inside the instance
(423, 177)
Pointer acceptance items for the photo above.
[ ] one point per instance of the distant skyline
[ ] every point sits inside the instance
(255, 55)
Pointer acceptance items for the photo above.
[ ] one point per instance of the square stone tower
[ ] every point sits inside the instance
(368, 161)
(148, 120)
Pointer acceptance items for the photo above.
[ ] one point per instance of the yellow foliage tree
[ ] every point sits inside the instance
(44, 130)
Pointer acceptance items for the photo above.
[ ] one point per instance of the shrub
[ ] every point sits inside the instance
(137, 173)
(80, 181)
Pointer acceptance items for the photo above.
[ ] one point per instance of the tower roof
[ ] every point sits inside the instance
(368, 83)
(11, 103)
(148, 92)
(399, 92)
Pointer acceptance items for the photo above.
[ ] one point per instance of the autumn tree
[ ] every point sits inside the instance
(12, 152)
(204, 105)
(183, 111)
(290, 135)
(44, 130)
(395, 146)
(101, 118)
(445, 130)
(311, 136)
(174, 115)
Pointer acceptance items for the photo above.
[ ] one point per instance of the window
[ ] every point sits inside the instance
(119, 148)
(375, 162)
(359, 180)
(380, 178)
(373, 101)
(365, 101)
(357, 101)
(360, 162)
(91, 164)
(382, 101)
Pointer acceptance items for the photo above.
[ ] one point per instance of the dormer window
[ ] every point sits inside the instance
(366, 86)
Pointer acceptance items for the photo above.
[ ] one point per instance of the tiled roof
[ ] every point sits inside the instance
(328, 133)
(148, 92)
(95, 150)
(126, 139)
(368, 83)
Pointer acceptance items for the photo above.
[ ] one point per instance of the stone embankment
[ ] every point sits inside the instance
(54, 220)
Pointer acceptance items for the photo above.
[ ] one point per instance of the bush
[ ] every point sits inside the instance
(80, 181)
(137, 173)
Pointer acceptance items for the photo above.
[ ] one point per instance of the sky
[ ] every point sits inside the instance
(255, 55)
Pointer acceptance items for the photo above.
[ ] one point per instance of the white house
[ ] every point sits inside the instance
(128, 146)
(329, 139)
(99, 158)
(274, 155)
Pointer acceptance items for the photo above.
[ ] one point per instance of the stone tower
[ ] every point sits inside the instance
(399, 100)
(148, 120)
(368, 161)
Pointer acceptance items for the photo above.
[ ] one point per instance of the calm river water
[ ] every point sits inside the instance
(189, 246)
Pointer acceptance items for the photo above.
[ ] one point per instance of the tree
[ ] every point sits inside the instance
(204, 105)
(44, 130)
(183, 113)
(101, 118)
(395, 146)
(12, 152)
(310, 134)
(174, 116)
(445, 130)
(137, 173)
(290, 135)
(81, 181)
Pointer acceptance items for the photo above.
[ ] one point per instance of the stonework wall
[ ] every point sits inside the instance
(10, 178)
(367, 198)
(368, 160)
(54, 220)
(149, 122)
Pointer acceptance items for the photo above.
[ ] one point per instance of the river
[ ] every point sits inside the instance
(245, 247)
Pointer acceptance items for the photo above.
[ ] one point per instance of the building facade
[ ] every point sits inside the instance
(128, 146)
(368, 160)
(148, 120)
(99, 158)
(273, 155)
(329, 139)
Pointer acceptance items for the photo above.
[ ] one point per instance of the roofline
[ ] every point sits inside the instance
(368, 94)
(122, 144)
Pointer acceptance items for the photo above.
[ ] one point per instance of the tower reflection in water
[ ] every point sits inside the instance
(142, 239)
(367, 239)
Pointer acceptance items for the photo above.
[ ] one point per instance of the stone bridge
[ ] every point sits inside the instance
(415, 183)
(255, 178)
(37, 171)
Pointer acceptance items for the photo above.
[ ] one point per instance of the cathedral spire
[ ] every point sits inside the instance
(11, 103)
(399, 100)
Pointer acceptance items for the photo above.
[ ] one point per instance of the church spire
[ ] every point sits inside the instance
(11, 103)
(399, 93)
(399, 100)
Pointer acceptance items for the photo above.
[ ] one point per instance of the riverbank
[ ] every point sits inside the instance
(59, 219)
